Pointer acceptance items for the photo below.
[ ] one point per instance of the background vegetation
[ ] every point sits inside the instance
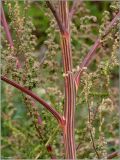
(19, 137)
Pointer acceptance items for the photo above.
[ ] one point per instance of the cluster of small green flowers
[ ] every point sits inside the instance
(17, 138)
(96, 112)
(19, 63)
(22, 27)
(56, 96)
(115, 6)
(97, 84)
(49, 127)
(115, 49)
(110, 61)
(53, 52)
(93, 83)
(86, 19)
(81, 11)
(52, 66)
(82, 34)
(35, 116)
(43, 126)
(102, 145)
(87, 84)
(9, 99)
(105, 21)
(105, 106)
(109, 40)
(31, 73)
(24, 45)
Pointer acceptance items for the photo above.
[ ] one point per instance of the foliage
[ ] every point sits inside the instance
(28, 129)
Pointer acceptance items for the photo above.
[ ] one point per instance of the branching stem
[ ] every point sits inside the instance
(69, 106)
(91, 135)
(34, 96)
(113, 155)
(74, 7)
(6, 28)
(8, 34)
(89, 57)
(56, 15)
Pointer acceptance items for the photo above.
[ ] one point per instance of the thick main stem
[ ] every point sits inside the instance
(69, 107)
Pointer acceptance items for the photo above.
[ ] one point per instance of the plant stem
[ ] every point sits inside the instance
(69, 106)
(74, 7)
(91, 135)
(52, 136)
(47, 144)
(89, 57)
(8, 34)
(113, 155)
(60, 24)
(6, 28)
(93, 119)
(34, 96)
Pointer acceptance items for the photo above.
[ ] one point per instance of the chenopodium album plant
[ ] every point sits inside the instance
(65, 77)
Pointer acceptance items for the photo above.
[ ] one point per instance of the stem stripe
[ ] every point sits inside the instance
(69, 106)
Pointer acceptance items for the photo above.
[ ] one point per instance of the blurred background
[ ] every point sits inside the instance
(19, 138)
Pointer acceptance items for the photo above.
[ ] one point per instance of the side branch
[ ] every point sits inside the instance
(34, 96)
(89, 57)
(8, 34)
(113, 155)
(56, 15)
(74, 8)
(91, 134)
(6, 27)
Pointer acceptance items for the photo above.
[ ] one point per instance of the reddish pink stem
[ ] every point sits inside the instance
(40, 100)
(6, 28)
(86, 62)
(8, 34)
(18, 65)
(113, 155)
(89, 57)
(69, 106)
(56, 15)
(74, 7)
